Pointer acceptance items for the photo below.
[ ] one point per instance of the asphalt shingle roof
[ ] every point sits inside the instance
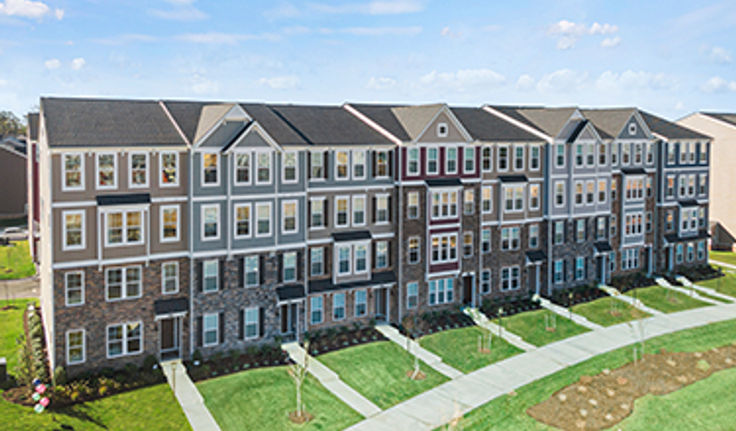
(484, 126)
(668, 129)
(384, 117)
(726, 117)
(611, 121)
(549, 121)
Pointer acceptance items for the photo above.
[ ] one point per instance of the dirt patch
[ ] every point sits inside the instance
(300, 419)
(601, 401)
(418, 376)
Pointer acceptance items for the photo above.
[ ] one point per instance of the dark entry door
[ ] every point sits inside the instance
(169, 336)
(468, 290)
(380, 303)
(288, 318)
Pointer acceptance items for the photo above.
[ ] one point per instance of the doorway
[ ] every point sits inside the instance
(468, 289)
(289, 316)
(169, 337)
(380, 297)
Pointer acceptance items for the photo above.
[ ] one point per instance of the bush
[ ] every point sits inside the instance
(197, 356)
(60, 376)
(149, 362)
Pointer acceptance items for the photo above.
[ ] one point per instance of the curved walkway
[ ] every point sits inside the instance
(441, 404)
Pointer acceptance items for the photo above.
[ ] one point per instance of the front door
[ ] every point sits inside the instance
(288, 318)
(468, 290)
(169, 337)
(380, 303)
(600, 269)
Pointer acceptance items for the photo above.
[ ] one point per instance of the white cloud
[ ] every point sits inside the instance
(525, 82)
(381, 83)
(27, 9)
(603, 28)
(281, 82)
(59, 14)
(376, 7)
(463, 80)
(634, 80)
(125, 39)
(182, 10)
(52, 64)
(565, 27)
(561, 81)
(610, 42)
(570, 32)
(216, 38)
(447, 32)
(717, 84)
(720, 55)
(284, 10)
(566, 42)
(78, 63)
(374, 31)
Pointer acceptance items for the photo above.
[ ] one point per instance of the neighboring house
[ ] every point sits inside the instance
(13, 193)
(721, 127)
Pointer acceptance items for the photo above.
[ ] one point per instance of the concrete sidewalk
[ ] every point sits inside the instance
(483, 321)
(189, 398)
(707, 290)
(424, 355)
(21, 288)
(727, 265)
(566, 313)
(691, 293)
(637, 304)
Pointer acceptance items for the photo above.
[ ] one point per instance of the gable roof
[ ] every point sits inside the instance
(186, 114)
(668, 129)
(723, 116)
(549, 121)
(483, 126)
(276, 127)
(384, 117)
(415, 118)
(610, 121)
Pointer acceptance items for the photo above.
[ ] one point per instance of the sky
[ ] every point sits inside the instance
(671, 58)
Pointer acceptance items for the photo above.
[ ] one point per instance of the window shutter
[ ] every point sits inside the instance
(309, 213)
(200, 331)
(221, 268)
(261, 313)
(241, 324)
(388, 208)
(390, 163)
(373, 163)
(241, 272)
(280, 266)
(221, 320)
(261, 269)
(309, 165)
(388, 253)
(373, 254)
(200, 273)
(326, 167)
(300, 256)
(326, 211)
(373, 209)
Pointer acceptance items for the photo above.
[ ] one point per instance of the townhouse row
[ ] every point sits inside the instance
(168, 227)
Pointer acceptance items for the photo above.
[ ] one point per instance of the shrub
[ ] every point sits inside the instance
(130, 369)
(149, 362)
(60, 376)
(197, 356)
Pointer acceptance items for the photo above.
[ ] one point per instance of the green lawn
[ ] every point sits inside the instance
(665, 300)
(599, 311)
(509, 412)
(723, 256)
(459, 348)
(531, 327)
(11, 327)
(152, 408)
(261, 399)
(378, 371)
(15, 261)
(725, 285)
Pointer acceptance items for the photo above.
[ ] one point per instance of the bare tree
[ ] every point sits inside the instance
(298, 373)
(410, 325)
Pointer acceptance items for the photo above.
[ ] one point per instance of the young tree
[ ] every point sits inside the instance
(298, 373)
(410, 325)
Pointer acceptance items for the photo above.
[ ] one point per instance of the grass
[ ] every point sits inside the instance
(509, 412)
(692, 405)
(599, 311)
(153, 408)
(665, 300)
(378, 371)
(459, 348)
(15, 261)
(261, 399)
(725, 285)
(11, 327)
(723, 256)
(531, 327)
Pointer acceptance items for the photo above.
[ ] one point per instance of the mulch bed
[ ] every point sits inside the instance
(701, 273)
(601, 401)
(221, 364)
(579, 296)
(333, 339)
(430, 323)
(510, 306)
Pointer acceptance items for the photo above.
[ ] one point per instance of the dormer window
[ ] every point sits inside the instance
(632, 129)
(442, 130)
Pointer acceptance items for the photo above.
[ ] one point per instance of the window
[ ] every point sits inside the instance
(468, 244)
(578, 192)
(242, 221)
(341, 211)
(485, 281)
(684, 150)
(614, 186)
(382, 215)
(518, 157)
(469, 160)
(338, 306)
(317, 165)
(579, 268)
(242, 168)
(432, 161)
(559, 193)
(691, 153)
(514, 198)
(559, 232)
(290, 167)
(124, 228)
(361, 258)
(210, 164)
(210, 275)
(75, 349)
(534, 236)
(487, 159)
(468, 202)
(444, 204)
(169, 163)
(107, 174)
(289, 266)
(263, 168)
(602, 191)
(124, 339)
(250, 271)
(485, 240)
(317, 211)
(358, 164)
(612, 261)
(602, 154)
(414, 249)
(315, 305)
(625, 153)
(579, 155)
(648, 217)
(679, 257)
(263, 219)
(74, 286)
(650, 153)
(670, 153)
(381, 164)
(138, 170)
(703, 188)
(683, 185)
(441, 291)
(503, 158)
(580, 230)
(361, 303)
(510, 278)
(590, 154)
(72, 172)
(381, 254)
(412, 295)
(444, 248)
(251, 323)
(487, 199)
(316, 259)
(169, 223)
(691, 185)
(359, 210)
(630, 259)
(210, 222)
(510, 238)
(701, 217)
(343, 259)
(289, 222)
(589, 192)
(634, 188)
(559, 271)
(614, 154)
(703, 153)
(451, 162)
(633, 224)
(534, 196)
(442, 130)
(600, 232)
(670, 221)
(701, 250)
(649, 186)
(412, 205)
(341, 165)
(690, 252)
(210, 329)
(73, 230)
(614, 224)
(560, 155)
(412, 161)
(638, 154)
(169, 277)
(534, 157)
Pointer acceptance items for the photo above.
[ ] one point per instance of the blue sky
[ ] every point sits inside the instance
(670, 57)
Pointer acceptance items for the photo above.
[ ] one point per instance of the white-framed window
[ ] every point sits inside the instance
(343, 259)
(360, 255)
(534, 157)
(630, 258)
(485, 240)
(338, 306)
(560, 155)
(487, 159)
(625, 153)
(559, 233)
(75, 346)
(638, 155)
(210, 275)
(580, 230)
(358, 164)
(467, 244)
(703, 184)
(412, 161)
(444, 248)
(381, 254)
(590, 154)
(578, 193)
(701, 250)
(559, 193)
(691, 185)
(289, 220)
(74, 288)
(242, 168)
(169, 277)
(513, 198)
(451, 160)
(289, 266)
(469, 160)
(579, 268)
(441, 291)
(210, 329)
(432, 157)
(579, 156)
(243, 225)
(485, 281)
(210, 169)
(123, 283)
(138, 170)
(442, 130)
(361, 303)
(315, 309)
(317, 165)
(510, 238)
(614, 187)
(650, 153)
(487, 199)
(342, 165)
(614, 225)
(533, 236)
(290, 168)
(317, 212)
(589, 192)
(316, 261)
(634, 224)
(263, 167)
(679, 254)
(614, 154)
(251, 323)
(634, 188)
(74, 230)
(124, 339)
(412, 295)
(414, 249)
(124, 228)
(468, 201)
(703, 153)
(263, 219)
(412, 202)
(602, 147)
(648, 221)
(632, 129)
(251, 270)
(602, 191)
(359, 210)
(382, 210)
(503, 158)
(533, 196)
(169, 223)
(559, 271)
(612, 261)
(510, 278)
(107, 171)
(382, 167)
(210, 222)
(342, 211)
(72, 172)
(519, 154)
(601, 230)
(169, 167)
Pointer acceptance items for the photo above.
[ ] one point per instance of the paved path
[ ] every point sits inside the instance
(707, 290)
(567, 314)
(483, 321)
(689, 292)
(331, 381)
(189, 398)
(614, 293)
(426, 356)
(23, 288)
(441, 404)
(717, 262)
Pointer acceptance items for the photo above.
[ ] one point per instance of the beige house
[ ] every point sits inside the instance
(722, 128)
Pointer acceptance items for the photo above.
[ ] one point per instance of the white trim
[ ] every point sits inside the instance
(386, 235)
(236, 221)
(539, 157)
(202, 210)
(235, 168)
(73, 204)
(245, 323)
(123, 211)
(347, 211)
(161, 167)
(523, 157)
(163, 279)
(386, 196)
(114, 171)
(426, 161)
(365, 164)
(83, 239)
(84, 346)
(204, 275)
(218, 159)
(336, 165)
(131, 185)
(337, 248)
(270, 219)
(217, 329)
(165, 199)
(269, 153)
(66, 288)
(389, 169)
(257, 271)
(440, 133)
(365, 209)
(296, 167)
(162, 223)
(123, 283)
(509, 159)
(465, 160)
(447, 159)
(120, 261)
(296, 217)
(82, 159)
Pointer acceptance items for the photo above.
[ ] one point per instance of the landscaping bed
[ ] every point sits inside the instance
(700, 273)
(624, 283)
(601, 401)
(580, 295)
(415, 326)
(220, 364)
(331, 339)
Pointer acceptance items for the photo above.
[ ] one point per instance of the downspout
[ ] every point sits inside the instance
(400, 222)
(190, 198)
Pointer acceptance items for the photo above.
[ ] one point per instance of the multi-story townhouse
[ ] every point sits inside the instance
(113, 222)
